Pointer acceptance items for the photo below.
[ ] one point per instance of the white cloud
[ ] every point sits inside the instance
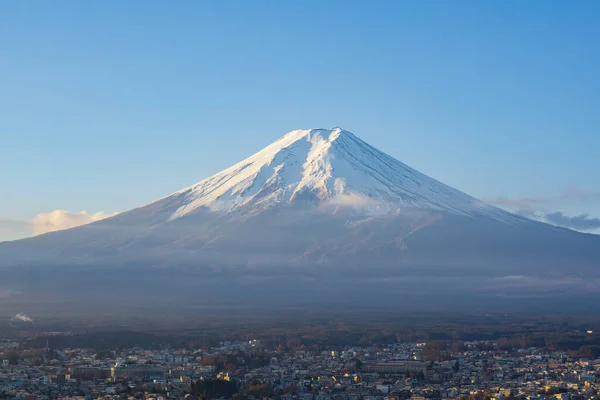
(352, 200)
(582, 222)
(22, 317)
(61, 219)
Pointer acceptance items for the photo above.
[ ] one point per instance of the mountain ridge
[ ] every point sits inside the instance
(326, 166)
(316, 205)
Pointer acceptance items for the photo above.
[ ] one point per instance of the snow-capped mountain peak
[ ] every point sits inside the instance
(324, 166)
(318, 200)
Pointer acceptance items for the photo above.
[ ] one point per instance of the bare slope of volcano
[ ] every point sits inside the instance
(318, 200)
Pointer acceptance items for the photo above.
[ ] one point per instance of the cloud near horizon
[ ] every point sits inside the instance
(61, 219)
(569, 195)
(582, 222)
(12, 230)
(542, 209)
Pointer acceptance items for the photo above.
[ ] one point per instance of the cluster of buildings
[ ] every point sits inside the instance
(389, 372)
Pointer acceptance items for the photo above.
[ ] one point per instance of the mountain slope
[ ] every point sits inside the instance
(316, 204)
(328, 172)
(326, 166)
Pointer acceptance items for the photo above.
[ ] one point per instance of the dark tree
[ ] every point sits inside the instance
(456, 367)
(357, 365)
(213, 388)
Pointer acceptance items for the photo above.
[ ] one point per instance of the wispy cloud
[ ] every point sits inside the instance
(582, 222)
(48, 222)
(570, 195)
(22, 317)
(544, 208)
(60, 219)
(522, 203)
(353, 200)
(13, 229)
(12, 224)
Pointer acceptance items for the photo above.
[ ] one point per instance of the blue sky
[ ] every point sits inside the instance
(108, 105)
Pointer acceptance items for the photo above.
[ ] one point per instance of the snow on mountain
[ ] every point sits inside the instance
(312, 215)
(331, 167)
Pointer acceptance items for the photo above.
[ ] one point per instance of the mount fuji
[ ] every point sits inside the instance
(318, 211)
(324, 167)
